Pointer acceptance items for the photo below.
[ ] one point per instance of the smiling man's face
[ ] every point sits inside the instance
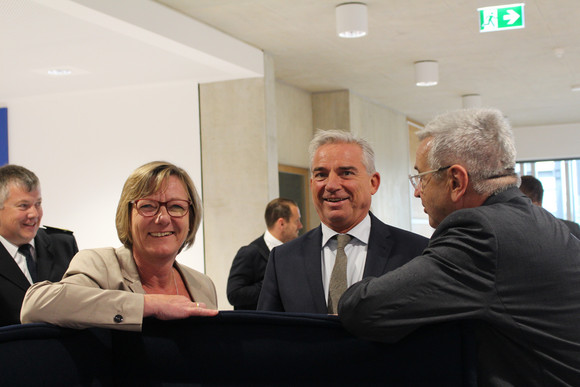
(21, 215)
(341, 187)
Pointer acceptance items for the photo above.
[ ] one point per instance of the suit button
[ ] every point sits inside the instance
(118, 318)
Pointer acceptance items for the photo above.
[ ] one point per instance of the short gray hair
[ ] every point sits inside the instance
(20, 176)
(335, 136)
(481, 140)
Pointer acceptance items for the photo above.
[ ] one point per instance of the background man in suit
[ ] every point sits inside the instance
(533, 189)
(50, 250)
(494, 258)
(245, 281)
(343, 180)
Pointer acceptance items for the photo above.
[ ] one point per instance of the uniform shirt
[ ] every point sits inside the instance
(18, 257)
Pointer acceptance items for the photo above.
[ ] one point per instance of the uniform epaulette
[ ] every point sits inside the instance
(55, 230)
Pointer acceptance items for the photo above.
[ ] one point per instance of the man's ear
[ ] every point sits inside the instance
(281, 222)
(459, 182)
(375, 182)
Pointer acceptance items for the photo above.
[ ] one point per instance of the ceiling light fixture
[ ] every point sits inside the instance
(576, 87)
(351, 20)
(59, 72)
(471, 101)
(426, 73)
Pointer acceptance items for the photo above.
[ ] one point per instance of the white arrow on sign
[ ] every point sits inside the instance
(511, 17)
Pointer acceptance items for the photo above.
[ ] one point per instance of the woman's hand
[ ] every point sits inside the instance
(169, 307)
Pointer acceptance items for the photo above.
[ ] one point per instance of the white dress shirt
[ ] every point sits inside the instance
(355, 250)
(271, 240)
(19, 258)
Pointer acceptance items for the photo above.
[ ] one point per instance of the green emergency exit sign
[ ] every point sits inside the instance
(501, 17)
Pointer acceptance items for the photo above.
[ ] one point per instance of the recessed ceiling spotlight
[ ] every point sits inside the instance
(426, 73)
(576, 87)
(59, 72)
(351, 20)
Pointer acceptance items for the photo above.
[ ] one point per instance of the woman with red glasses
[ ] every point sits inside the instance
(158, 215)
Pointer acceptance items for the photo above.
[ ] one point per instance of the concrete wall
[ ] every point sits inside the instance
(331, 110)
(240, 167)
(295, 130)
(235, 172)
(388, 134)
(294, 125)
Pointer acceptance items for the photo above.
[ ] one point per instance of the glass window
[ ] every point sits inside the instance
(560, 180)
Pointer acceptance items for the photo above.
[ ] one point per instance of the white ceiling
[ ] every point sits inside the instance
(516, 71)
(107, 44)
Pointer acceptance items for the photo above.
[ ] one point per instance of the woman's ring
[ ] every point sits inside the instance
(197, 304)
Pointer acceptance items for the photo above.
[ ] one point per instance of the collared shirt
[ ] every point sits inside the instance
(355, 250)
(271, 240)
(19, 258)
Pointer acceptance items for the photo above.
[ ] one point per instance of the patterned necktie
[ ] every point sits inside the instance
(25, 250)
(338, 278)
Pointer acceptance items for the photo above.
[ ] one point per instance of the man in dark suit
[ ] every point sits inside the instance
(533, 189)
(300, 274)
(495, 259)
(27, 254)
(245, 281)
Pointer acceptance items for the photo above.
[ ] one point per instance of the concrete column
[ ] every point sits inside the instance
(331, 110)
(239, 168)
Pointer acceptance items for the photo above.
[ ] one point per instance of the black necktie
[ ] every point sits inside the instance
(25, 250)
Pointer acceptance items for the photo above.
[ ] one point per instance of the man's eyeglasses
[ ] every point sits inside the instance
(150, 207)
(416, 180)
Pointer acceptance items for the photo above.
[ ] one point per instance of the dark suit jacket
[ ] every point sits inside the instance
(293, 280)
(508, 264)
(246, 275)
(54, 250)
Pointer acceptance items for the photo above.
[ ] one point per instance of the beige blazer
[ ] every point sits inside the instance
(102, 288)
